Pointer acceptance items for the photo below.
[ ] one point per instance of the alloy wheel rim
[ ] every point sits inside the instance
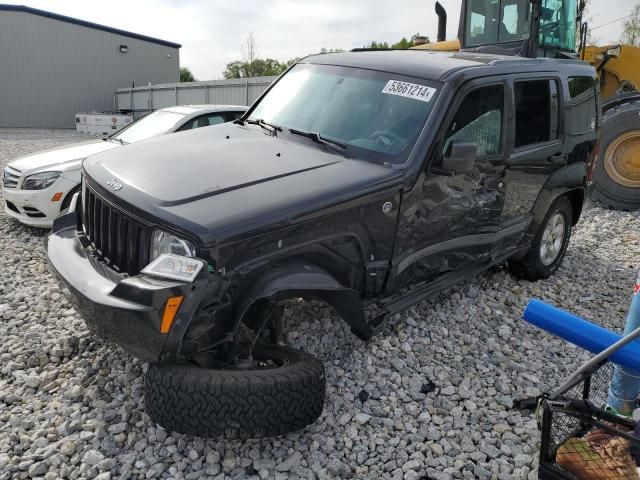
(622, 159)
(552, 239)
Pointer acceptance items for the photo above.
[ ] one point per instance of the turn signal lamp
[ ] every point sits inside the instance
(170, 311)
(56, 197)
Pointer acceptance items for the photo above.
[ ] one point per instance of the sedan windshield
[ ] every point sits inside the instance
(151, 125)
(375, 116)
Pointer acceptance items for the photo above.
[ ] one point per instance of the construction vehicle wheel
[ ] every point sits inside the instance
(617, 171)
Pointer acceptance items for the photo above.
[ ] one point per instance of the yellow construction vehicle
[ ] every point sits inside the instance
(554, 28)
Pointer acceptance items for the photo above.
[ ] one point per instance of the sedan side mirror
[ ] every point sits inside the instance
(459, 159)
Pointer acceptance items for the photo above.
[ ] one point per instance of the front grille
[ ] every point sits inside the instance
(118, 239)
(10, 177)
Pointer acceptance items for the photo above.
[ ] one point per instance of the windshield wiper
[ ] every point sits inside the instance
(316, 137)
(270, 127)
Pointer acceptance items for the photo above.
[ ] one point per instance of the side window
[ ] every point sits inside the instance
(203, 121)
(536, 112)
(186, 126)
(582, 108)
(489, 22)
(214, 119)
(580, 85)
(514, 21)
(557, 18)
(478, 120)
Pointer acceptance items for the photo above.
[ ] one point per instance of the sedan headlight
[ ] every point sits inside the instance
(40, 181)
(164, 242)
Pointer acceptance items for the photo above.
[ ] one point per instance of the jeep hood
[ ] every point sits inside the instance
(68, 157)
(228, 180)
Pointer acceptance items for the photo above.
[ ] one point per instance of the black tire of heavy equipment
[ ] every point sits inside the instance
(237, 403)
(531, 267)
(616, 121)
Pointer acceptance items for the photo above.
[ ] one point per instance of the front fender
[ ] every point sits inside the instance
(307, 279)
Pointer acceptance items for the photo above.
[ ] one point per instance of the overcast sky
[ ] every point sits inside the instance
(211, 31)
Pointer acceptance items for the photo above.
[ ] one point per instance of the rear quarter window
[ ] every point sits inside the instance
(582, 116)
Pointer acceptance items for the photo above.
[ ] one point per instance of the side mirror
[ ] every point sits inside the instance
(460, 158)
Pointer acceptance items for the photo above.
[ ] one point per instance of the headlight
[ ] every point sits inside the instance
(175, 267)
(164, 242)
(40, 181)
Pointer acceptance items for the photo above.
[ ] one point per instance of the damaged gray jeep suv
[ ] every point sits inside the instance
(380, 176)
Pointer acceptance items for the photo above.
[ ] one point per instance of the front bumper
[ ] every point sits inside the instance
(121, 309)
(35, 207)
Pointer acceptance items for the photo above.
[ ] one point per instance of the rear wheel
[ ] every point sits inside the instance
(549, 244)
(278, 390)
(617, 171)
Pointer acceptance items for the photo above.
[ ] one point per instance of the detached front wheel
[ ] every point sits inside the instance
(282, 390)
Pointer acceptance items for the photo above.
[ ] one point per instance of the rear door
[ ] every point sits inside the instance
(535, 145)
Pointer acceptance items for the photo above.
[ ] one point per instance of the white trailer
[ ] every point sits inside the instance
(103, 123)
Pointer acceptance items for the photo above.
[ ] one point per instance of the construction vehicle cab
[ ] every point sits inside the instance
(555, 29)
(505, 27)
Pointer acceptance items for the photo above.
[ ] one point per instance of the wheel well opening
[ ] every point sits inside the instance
(576, 198)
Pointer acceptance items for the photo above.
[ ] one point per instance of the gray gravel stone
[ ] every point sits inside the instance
(289, 463)
(264, 464)
(38, 469)
(92, 457)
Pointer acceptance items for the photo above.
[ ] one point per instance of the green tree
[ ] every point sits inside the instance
(377, 45)
(259, 67)
(631, 28)
(403, 44)
(234, 69)
(251, 65)
(186, 75)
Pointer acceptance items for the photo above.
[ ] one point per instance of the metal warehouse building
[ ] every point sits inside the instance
(52, 66)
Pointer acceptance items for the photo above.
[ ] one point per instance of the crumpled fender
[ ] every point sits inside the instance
(307, 279)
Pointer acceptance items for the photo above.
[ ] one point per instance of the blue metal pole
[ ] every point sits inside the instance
(625, 384)
(580, 332)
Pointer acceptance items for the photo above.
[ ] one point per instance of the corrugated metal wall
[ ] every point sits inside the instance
(50, 69)
(240, 91)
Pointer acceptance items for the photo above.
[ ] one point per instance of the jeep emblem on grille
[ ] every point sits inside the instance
(114, 184)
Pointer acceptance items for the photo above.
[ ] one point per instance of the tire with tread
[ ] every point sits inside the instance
(531, 267)
(616, 121)
(237, 403)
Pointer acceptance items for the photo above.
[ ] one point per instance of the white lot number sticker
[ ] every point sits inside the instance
(410, 90)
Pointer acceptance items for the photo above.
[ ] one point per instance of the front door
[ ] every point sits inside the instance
(449, 222)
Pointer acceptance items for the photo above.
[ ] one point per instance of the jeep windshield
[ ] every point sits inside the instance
(376, 116)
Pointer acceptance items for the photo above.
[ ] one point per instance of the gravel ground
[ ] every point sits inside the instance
(72, 407)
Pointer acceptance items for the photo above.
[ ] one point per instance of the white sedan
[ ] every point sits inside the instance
(36, 188)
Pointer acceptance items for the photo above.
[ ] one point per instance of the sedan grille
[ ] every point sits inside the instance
(118, 238)
(10, 177)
